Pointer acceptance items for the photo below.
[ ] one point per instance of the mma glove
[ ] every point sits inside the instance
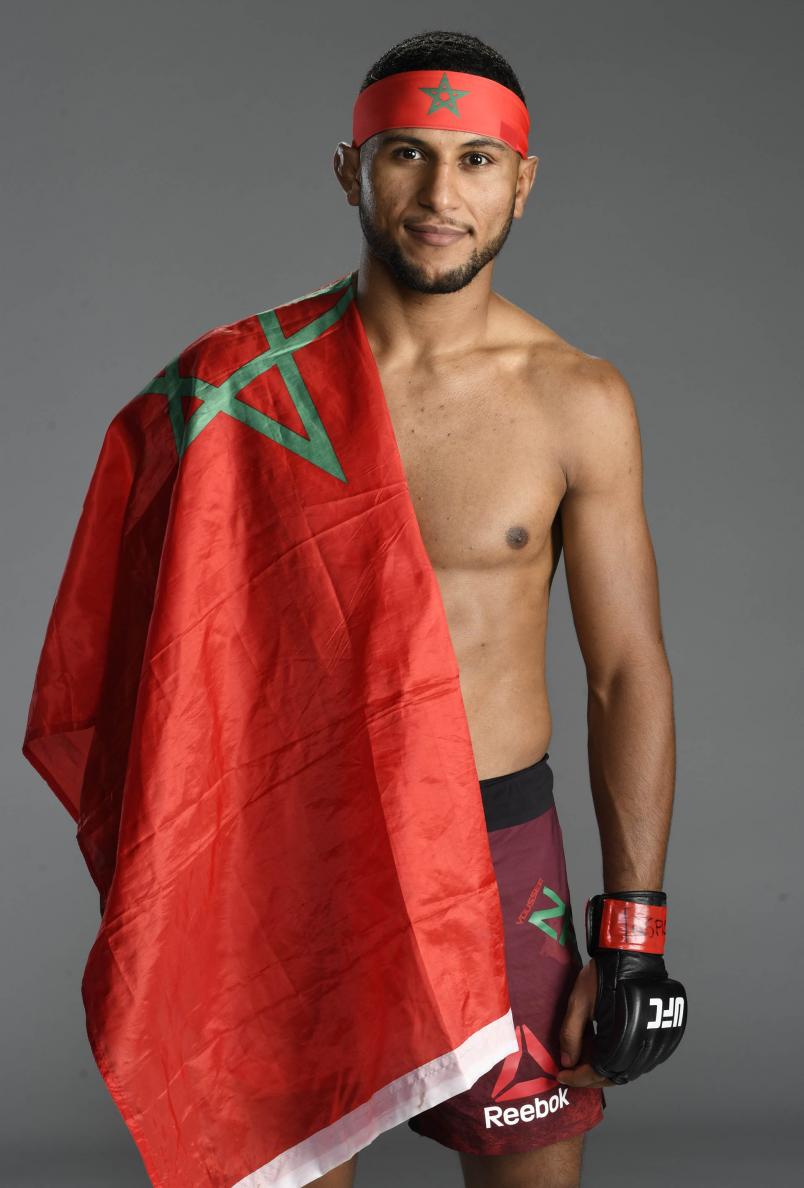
(640, 1013)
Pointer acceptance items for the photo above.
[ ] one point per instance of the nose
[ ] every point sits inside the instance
(438, 190)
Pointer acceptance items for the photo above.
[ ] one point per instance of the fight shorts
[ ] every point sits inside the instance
(519, 1105)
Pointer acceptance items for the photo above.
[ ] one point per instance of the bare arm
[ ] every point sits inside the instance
(614, 596)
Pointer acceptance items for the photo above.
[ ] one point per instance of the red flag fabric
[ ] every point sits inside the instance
(248, 700)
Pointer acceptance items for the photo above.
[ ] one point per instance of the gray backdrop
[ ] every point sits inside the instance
(167, 168)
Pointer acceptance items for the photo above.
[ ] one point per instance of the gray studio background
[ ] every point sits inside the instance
(166, 168)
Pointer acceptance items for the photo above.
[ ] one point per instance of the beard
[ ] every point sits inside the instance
(412, 275)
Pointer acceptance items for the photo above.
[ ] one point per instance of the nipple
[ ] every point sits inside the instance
(517, 537)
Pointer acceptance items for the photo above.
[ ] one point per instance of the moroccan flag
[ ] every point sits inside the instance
(249, 702)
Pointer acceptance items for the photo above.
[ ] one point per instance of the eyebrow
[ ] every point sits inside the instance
(477, 142)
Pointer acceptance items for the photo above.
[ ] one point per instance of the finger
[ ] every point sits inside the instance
(572, 1030)
(583, 1077)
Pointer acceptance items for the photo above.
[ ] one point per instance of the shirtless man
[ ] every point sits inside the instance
(515, 444)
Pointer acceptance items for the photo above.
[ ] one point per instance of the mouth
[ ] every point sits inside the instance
(437, 237)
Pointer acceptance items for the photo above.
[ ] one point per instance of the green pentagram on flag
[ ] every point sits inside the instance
(316, 447)
(443, 96)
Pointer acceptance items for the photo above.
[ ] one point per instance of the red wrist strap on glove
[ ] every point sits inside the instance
(638, 927)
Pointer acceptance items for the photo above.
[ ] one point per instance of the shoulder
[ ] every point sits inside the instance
(586, 400)
(595, 395)
(585, 385)
(217, 353)
(599, 425)
(206, 361)
(224, 352)
(593, 410)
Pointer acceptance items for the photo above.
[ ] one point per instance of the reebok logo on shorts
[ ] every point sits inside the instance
(514, 1081)
(538, 1108)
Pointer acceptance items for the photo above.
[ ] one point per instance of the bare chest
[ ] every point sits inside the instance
(481, 455)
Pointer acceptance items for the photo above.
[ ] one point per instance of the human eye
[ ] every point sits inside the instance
(405, 149)
(487, 158)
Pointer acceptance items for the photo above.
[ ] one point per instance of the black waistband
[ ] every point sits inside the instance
(518, 796)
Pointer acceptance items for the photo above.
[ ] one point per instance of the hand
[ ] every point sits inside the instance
(580, 1009)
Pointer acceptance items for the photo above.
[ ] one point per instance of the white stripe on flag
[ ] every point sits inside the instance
(408, 1095)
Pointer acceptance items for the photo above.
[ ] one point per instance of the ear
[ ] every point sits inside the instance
(346, 163)
(529, 167)
(524, 183)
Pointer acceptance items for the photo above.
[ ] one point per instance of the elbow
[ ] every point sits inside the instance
(639, 666)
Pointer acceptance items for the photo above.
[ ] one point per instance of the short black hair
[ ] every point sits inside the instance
(437, 49)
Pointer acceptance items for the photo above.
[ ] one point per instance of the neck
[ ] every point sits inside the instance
(403, 325)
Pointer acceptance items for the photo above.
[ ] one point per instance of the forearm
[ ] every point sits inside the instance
(631, 744)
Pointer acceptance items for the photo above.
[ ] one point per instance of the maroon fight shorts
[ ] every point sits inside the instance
(519, 1105)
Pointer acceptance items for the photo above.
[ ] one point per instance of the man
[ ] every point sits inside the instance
(292, 694)
(516, 444)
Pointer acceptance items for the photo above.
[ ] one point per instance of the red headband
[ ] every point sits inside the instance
(441, 99)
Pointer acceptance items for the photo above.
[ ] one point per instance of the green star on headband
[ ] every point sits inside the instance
(443, 96)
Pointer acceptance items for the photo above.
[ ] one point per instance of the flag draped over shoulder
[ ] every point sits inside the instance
(248, 700)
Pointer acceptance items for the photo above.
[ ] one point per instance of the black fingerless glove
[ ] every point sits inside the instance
(640, 1013)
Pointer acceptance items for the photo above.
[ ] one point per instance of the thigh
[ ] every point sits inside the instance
(342, 1176)
(519, 1106)
(555, 1166)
